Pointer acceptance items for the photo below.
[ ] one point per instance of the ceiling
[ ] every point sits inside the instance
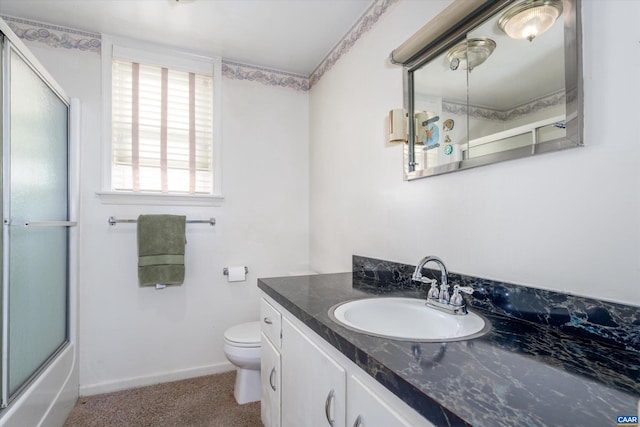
(286, 35)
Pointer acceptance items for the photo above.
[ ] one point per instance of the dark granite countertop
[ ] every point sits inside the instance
(519, 374)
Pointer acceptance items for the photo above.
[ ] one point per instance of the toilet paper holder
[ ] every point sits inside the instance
(225, 270)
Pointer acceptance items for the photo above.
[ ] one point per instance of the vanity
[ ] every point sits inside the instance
(550, 372)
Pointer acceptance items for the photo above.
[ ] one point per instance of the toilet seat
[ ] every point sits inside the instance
(243, 335)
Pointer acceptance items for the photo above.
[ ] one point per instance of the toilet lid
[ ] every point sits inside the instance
(244, 334)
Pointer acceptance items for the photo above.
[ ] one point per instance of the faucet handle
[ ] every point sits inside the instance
(433, 291)
(417, 276)
(465, 289)
(420, 278)
(456, 298)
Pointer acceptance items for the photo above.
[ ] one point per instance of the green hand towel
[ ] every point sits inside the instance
(161, 240)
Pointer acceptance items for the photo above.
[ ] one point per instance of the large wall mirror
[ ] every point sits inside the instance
(476, 95)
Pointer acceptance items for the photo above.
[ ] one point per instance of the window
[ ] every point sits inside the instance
(163, 128)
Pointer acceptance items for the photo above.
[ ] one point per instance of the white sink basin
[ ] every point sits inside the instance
(407, 319)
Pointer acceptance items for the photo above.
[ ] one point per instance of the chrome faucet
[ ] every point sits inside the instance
(440, 299)
(444, 287)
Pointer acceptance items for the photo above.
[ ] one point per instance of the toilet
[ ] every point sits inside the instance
(242, 348)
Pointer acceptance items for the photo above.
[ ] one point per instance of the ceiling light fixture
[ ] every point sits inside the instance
(530, 18)
(468, 54)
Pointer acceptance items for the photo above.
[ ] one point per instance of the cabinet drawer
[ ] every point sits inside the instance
(271, 323)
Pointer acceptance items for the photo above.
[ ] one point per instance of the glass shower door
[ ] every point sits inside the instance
(36, 221)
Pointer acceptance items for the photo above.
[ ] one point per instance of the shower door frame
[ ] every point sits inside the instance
(57, 377)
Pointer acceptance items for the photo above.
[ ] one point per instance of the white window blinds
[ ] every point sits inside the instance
(162, 129)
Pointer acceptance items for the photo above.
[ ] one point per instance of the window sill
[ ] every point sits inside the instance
(122, 198)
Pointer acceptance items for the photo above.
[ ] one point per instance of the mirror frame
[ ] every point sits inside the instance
(456, 32)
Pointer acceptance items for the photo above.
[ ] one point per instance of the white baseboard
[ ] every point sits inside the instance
(134, 382)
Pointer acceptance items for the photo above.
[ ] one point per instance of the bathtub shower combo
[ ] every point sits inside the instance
(38, 374)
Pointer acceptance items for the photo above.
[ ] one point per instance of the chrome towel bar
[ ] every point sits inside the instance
(211, 221)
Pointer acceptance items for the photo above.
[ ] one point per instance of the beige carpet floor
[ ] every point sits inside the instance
(198, 402)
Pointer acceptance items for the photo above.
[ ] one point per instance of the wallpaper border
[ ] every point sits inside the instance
(362, 26)
(266, 76)
(477, 112)
(54, 36)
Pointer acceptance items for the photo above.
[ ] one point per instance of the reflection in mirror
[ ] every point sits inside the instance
(484, 96)
(517, 99)
(438, 93)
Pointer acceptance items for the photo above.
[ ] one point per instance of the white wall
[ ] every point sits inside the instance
(566, 221)
(132, 336)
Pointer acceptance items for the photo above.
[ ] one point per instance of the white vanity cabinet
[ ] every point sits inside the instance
(270, 365)
(313, 384)
(317, 386)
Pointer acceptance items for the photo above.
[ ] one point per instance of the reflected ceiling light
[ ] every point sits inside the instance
(530, 18)
(470, 53)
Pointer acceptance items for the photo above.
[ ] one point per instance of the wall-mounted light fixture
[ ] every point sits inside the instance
(470, 53)
(530, 18)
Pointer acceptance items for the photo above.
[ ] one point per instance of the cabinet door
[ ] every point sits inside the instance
(366, 409)
(313, 384)
(270, 384)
